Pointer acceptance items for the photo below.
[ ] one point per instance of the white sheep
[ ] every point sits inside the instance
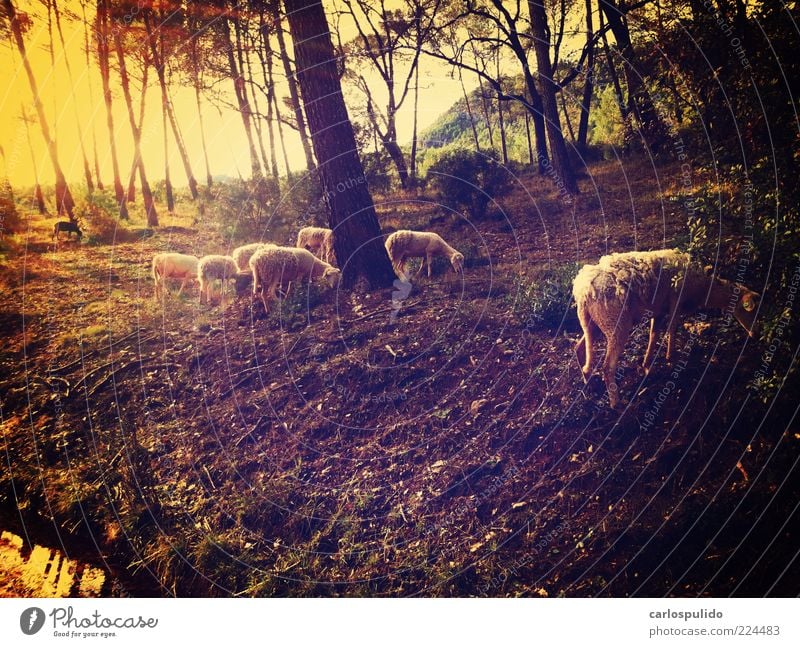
(662, 286)
(241, 255)
(172, 265)
(216, 267)
(274, 267)
(405, 244)
(317, 240)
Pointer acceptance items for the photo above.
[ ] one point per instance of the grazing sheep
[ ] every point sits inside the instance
(405, 244)
(69, 227)
(275, 266)
(314, 240)
(327, 253)
(241, 255)
(664, 285)
(224, 268)
(171, 265)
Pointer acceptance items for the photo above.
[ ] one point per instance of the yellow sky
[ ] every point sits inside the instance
(226, 140)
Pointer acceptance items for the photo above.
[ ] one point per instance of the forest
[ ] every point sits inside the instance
(439, 298)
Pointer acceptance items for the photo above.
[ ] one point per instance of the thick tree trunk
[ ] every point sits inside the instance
(239, 87)
(103, 58)
(294, 94)
(64, 201)
(147, 195)
(588, 84)
(169, 194)
(558, 149)
(357, 240)
(640, 103)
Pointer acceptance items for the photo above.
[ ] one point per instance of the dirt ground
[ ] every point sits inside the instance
(436, 443)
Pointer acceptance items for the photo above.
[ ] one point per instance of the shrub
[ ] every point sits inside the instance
(544, 299)
(97, 216)
(469, 180)
(9, 218)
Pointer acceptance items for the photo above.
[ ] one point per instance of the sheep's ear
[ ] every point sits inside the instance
(709, 270)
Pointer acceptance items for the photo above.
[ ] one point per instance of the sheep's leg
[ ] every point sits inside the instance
(584, 349)
(421, 265)
(671, 327)
(428, 258)
(616, 343)
(655, 329)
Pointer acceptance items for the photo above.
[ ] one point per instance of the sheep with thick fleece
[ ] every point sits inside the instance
(216, 267)
(241, 255)
(664, 285)
(274, 267)
(405, 244)
(172, 265)
(315, 240)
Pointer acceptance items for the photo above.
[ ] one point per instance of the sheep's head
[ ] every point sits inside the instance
(746, 308)
(242, 282)
(331, 275)
(457, 261)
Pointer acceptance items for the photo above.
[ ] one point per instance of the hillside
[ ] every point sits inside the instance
(345, 446)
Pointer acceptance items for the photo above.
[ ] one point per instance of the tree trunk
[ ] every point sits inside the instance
(558, 149)
(502, 125)
(103, 58)
(147, 195)
(294, 94)
(588, 85)
(528, 135)
(87, 173)
(567, 120)
(38, 196)
(209, 179)
(357, 241)
(170, 196)
(239, 88)
(612, 71)
(469, 112)
(91, 95)
(640, 104)
(414, 129)
(64, 201)
(244, 65)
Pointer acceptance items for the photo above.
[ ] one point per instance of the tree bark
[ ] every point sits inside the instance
(414, 128)
(357, 239)
(558, 149)
(169, 194)
(91, 95)
(502, 126)
(147, 195)
(64, 201)
(104, 60)
(469, 111)
(38, 196)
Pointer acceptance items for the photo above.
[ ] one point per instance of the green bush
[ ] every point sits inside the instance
(469, 180)
(544, 298)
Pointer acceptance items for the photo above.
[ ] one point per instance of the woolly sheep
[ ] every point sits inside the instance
(215, 266)
(275, 266)
(405, 244)
(241, 255)
(662, 285)
(317, 240)
(171, 265)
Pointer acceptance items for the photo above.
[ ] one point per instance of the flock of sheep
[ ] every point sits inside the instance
(612, 296)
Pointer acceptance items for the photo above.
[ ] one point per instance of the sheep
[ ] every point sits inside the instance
(171, 265)
(69, 227)
(241, 255)
(275, 266)
(405, 244)
(215, 266)
(315, 240)
(663, 286)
